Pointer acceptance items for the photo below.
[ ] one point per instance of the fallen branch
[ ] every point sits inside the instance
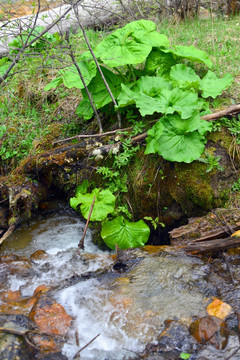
(212, 245)
(231, 110)
(7, 233)
(85, 136)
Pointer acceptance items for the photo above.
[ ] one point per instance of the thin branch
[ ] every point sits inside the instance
(97, 64)
(81, 242)
(84, 84)
(84, 347)
(27, 44)
(92, 135)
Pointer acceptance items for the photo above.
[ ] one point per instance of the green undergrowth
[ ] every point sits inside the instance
(25, 107)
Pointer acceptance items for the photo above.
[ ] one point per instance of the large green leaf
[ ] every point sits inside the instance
(88, 70)
(212, 86)
(98, 89)
(153, 138)
(144, 31)
(190, 53)
(159, 62)
(125, 234)
(120, 49)
(104, 204)
(184, 103)
(184, 76)
(70, 77)
(177, 139)
(149, 85)
(131, 44)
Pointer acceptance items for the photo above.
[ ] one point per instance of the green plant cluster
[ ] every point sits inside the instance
(145, 73)
(115, 231)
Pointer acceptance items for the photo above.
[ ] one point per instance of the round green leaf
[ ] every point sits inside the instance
(124, 233)
(178, 145)
(160, 62)
(120, 49)
(104, 204)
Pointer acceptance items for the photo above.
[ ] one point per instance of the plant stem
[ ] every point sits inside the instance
(81, 242)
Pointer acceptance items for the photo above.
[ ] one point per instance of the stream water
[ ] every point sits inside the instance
(127, 310)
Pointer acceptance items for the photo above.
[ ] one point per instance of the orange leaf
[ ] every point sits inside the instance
(219, 309)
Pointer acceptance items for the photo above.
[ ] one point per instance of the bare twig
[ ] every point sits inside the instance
(28, 43)
(86, 136)
(84, 347)
(84, 84)
(97, 64)
(81, 242)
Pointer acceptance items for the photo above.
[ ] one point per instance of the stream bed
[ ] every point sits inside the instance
(124, 301)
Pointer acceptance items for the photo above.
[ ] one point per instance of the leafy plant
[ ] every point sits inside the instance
(154, 222)
(104, 203)
(118, 231)
(145, 73)
(185, 356)
(236, 185)
(212, 161)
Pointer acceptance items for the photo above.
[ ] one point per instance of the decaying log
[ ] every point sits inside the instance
(212, 245)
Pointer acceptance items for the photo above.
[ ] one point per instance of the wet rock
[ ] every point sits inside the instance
(14, 303)
(50, 317)
(13, 347)
(210, 329)
(39, 255)
(14, 264)
(174, 339)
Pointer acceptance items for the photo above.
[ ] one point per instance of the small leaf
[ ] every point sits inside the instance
(185, 356)
(104, 204)
(54, 83)
(125, 234)
(212, 86)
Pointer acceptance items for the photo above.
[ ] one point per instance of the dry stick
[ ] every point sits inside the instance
(97, 64)
(81, 242)
(7, 233)
(84, 83)
(92, 135)
(84, 347)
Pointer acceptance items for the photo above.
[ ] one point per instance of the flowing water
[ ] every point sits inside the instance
(128, 309)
